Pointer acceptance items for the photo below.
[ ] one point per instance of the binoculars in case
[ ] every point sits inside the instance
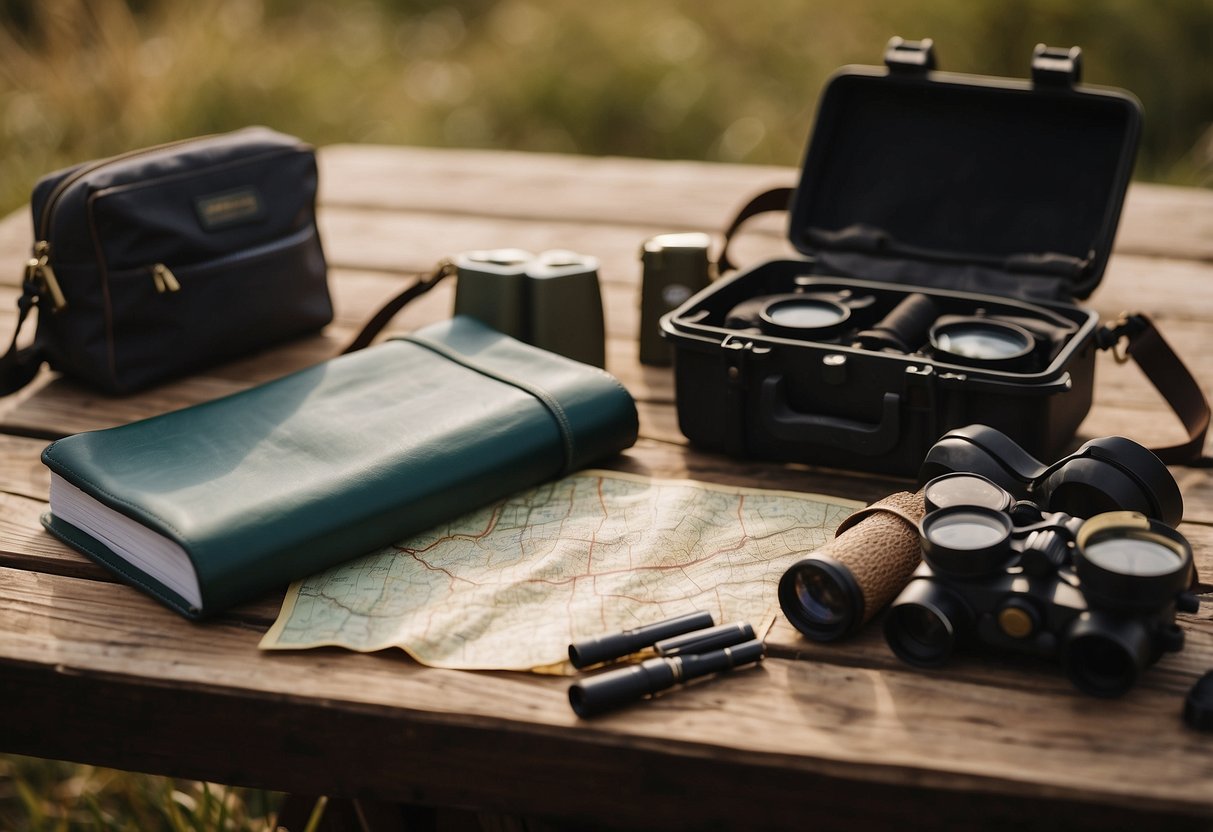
(948, 224)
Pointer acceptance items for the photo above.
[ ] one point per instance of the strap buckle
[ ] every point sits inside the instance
(445, 268)
(1118, 336)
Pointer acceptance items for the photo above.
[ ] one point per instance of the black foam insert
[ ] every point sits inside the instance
(980, 167)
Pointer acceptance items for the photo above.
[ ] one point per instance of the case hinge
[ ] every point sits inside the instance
(1056, 66)
(910, 56)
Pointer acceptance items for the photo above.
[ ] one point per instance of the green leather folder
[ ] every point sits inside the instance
(274, 483)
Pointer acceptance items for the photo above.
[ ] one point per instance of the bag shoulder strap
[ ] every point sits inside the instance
(776, 199)
(19, 365)
(388, 311)
(1135, 336)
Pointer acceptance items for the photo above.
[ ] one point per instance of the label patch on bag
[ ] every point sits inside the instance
(229, 208)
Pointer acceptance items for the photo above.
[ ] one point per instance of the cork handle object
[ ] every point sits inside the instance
(880, 547)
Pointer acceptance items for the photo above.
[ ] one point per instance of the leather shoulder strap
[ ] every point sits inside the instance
(388, 311)
(1135, 336)
(776, 199)
(18, 366)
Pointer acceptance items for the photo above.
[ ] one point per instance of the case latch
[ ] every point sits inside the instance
(737, 353)
(910, 56)
(1055, 66)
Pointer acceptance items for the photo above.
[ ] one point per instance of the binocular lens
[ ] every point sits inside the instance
(982, 340)
(962, 489)
(1132, 555)
(966, 541)
(919, 635)
(805, 313)
(1127, 561)
(820, 599)
(965, 530)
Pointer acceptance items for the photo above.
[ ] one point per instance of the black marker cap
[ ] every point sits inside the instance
(602, 649)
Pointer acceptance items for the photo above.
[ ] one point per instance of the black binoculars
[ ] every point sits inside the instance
(1101, 594)
(832, 592)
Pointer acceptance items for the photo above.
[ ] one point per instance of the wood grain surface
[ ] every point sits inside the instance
(835, 736)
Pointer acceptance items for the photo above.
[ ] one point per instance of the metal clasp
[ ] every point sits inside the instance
(1056, 66)
(1118, 335)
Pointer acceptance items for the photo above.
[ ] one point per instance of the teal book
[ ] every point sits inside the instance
(218, 503)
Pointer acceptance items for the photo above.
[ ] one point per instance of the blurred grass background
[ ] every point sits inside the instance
(696, 79)
(46, 796)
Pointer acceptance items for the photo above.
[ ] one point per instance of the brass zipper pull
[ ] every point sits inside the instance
(39, 270)
(164, 279)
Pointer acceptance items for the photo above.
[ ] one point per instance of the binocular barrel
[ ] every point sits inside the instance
(840, 586)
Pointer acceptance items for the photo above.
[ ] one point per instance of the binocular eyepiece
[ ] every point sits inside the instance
(1106, 474)
(551, 300)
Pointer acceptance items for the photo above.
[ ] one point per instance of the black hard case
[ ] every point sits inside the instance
(984, 193)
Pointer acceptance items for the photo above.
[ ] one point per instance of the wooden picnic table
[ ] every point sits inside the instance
(818, 736)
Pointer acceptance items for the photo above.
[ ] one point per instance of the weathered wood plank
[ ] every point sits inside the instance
(24, 544)
(505, 193)
(1166, 221)
(1157, 219)
(807, 718)
(598, 190)
(21, 471)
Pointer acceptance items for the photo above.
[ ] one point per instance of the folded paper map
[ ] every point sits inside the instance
(510, 586)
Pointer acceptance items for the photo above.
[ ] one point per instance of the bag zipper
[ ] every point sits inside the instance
(165, 281)
(38, 269)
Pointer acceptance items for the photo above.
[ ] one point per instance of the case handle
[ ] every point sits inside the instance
(782, 422)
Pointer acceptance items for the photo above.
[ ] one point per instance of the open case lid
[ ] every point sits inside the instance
(1021, 177)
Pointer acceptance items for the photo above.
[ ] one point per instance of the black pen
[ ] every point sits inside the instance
(617, 645)
(627, 684)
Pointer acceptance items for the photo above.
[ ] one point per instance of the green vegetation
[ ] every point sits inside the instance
(703, 79)
(47, 796)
